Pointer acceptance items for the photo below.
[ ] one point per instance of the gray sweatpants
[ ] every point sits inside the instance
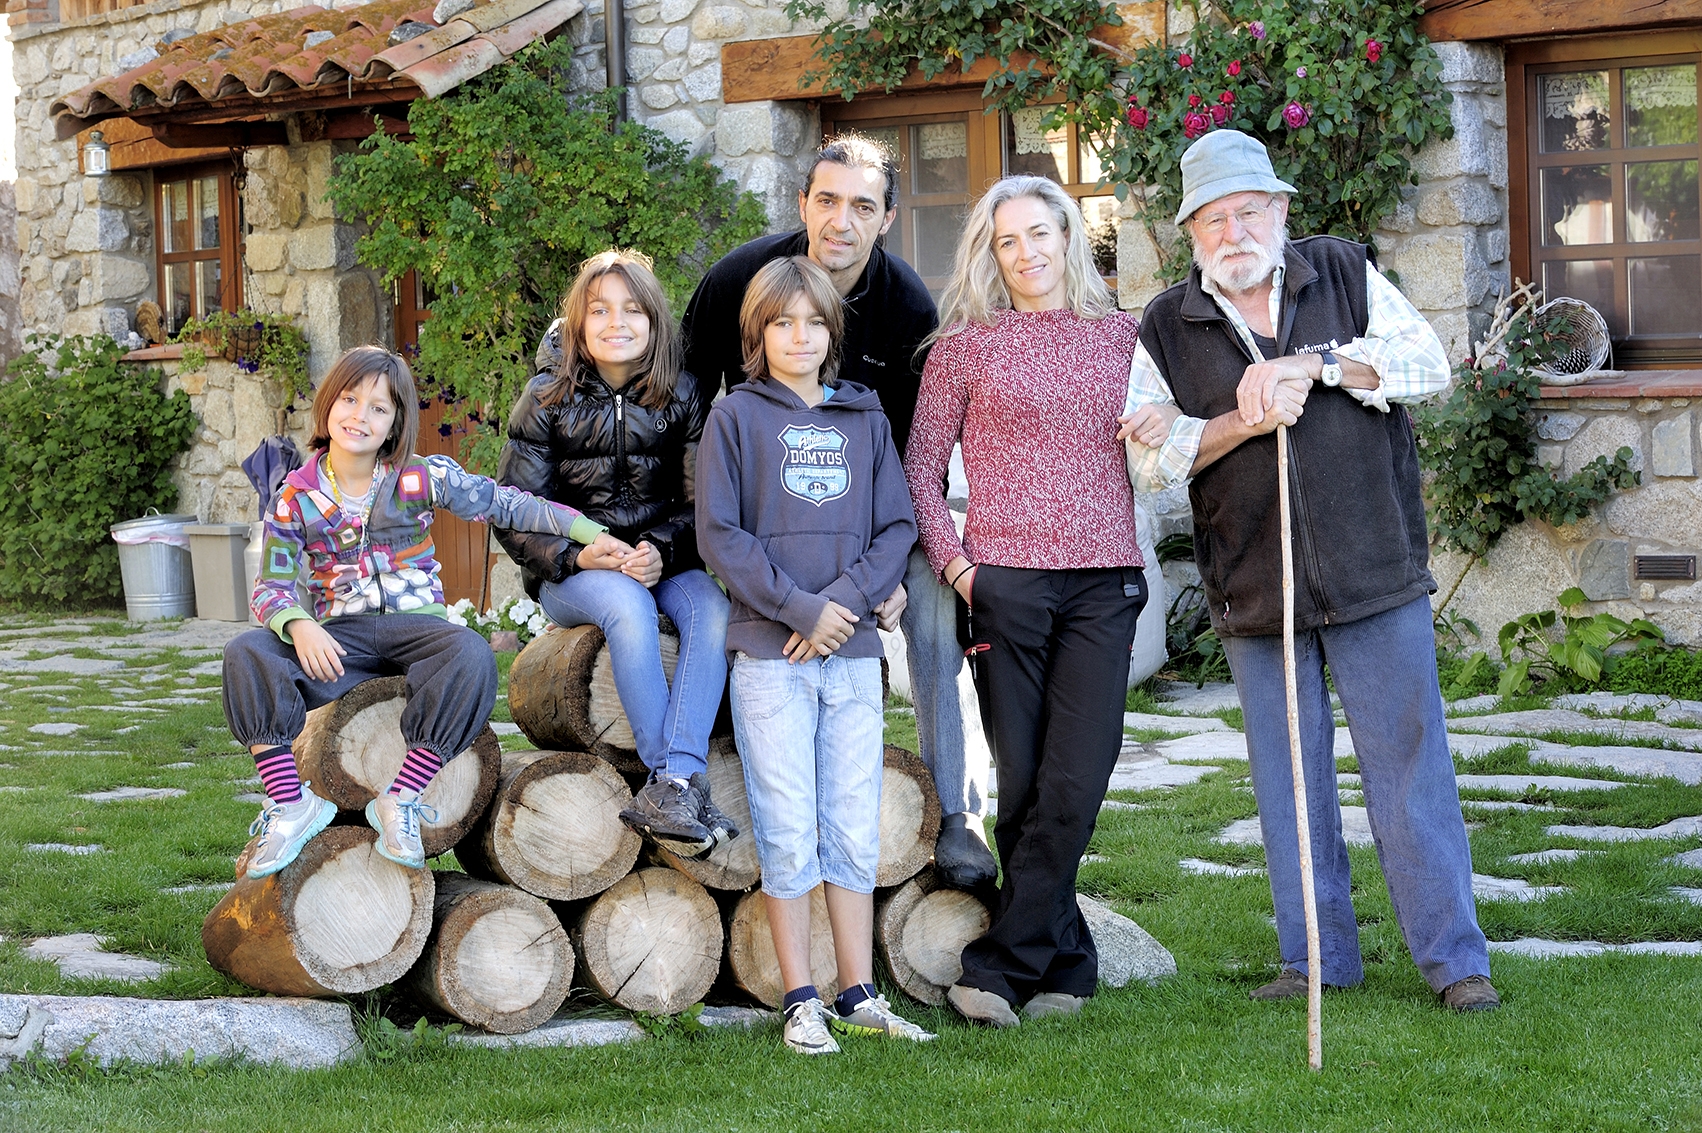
(450, 671)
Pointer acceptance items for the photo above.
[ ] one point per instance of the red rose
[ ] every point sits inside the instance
(1138, 117)
(1233, 69)
(1194, 124)
(1194, 100)
(1373, 50)
(1220, 114)
(1296, 115)
(1227, 98)
(1184, 60)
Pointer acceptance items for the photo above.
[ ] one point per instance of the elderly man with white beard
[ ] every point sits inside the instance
(1307, 333)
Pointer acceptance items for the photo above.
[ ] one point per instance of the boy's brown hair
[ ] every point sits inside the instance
(658, 369)
(355, 366)
(766, 299)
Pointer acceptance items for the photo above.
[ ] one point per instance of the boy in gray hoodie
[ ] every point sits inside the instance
(804, 515)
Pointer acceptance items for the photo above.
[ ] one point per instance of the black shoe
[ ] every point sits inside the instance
(1289, 984)
(961, 860)
(667, 812)
(720, 827)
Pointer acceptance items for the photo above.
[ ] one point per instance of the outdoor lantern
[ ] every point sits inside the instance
(96, 156)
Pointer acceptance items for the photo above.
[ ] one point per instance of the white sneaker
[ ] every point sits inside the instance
(806, 1028)
(284, 828)
(876, 1017)
(397, 819)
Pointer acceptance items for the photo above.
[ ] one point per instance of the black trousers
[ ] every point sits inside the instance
(1056, 669)
(451, 680)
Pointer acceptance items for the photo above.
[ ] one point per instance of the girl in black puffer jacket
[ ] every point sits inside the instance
(611, 428)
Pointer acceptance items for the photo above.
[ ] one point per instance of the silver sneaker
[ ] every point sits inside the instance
(876, 1017)
(284, 828)
(397, 819)
(806, 1028)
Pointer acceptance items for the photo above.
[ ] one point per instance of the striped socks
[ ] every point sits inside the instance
(418, 768)
(278, 777)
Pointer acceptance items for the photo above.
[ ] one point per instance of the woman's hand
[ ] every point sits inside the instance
(962, 574)
(317, 650)
(605, 552)
(644, 565)
(1149, 424)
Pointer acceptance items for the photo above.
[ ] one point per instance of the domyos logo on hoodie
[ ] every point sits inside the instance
(814, 467)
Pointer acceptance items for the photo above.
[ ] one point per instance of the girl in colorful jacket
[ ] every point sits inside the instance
(353, 528)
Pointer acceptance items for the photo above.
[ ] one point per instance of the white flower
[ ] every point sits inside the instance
(523, 609)
(537, 623)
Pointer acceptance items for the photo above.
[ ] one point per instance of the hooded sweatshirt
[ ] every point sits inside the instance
(797, 506)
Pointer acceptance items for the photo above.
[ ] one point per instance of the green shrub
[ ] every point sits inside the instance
(1666, 672)
(85, 442)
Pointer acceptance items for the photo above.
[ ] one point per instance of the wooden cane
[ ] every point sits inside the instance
(1302, 821)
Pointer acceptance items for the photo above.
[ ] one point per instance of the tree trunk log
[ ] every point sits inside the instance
(498, 958)
(733, 865)
(561, 691)
(554, 827)
(751, 958)
(352, 749)
(921, 930)
(337, 920)
(910, 817)
(651, 943)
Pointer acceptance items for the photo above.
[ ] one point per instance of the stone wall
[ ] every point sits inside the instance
(236, 411)
(11, 336)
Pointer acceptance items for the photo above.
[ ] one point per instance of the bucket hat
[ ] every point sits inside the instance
(1221, 164)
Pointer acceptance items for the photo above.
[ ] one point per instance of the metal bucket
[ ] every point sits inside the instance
(159, 575)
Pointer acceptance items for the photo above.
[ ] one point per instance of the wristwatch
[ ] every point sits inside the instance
(1332, 373)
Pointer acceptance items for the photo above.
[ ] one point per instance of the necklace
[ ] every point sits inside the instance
(361, 505)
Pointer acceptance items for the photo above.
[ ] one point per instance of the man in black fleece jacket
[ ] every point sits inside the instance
(847, 205)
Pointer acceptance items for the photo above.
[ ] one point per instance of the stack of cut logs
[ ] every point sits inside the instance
(556, 886)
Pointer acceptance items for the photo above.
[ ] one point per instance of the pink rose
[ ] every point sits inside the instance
(1219, 114)
(1257, 27)
(1184, 60)
(1194, 101)
(1194, 124)
(1296, 115)
(1138, 117)
(1373, 50)
(1233, 69)
(1227, 98)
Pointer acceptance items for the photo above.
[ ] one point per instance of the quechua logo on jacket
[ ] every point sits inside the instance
(814, 468)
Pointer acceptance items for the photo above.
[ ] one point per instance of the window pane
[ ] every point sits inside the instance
(179, 298)
(884, 136)
(207, 286)
(1036, 151)
(1666, 292)
(939, 153)
(937, 229)
(1589, 280)
(1660, 106)
(174, 211)
(1091, 170)
(1101, 216)
(1574, 110)
(1661, 201)
(1577, 205)
(206, 213)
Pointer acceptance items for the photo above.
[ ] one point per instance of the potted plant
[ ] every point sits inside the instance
(266, 344)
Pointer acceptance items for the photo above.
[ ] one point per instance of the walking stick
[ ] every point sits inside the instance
(1302, 821)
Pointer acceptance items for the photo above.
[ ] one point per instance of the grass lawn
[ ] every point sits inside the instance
(1604, 1043)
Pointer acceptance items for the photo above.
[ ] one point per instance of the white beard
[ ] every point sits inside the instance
(1244, 276)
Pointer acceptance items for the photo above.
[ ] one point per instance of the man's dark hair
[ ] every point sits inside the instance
(855, 151)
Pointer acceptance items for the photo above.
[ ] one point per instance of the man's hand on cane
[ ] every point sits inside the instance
(1273, 393)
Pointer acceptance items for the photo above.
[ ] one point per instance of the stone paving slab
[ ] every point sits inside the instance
(1690, 859)
(64, 848)
(1685, 766)
(1214, 745)
(1203, 868)
(1544, 857)
(1519, 784)
(1356, 828)
(1668, 710)
(1127, 952)
(126, 794)
(1181, 725)
(1504, 804)
(81, 666)
(1685, 893)
(1539, 949)
(1149, 774)
(1185, 698)
(1537, 720)
(1687, 827)
(298, 1033)
(83, 956)
(1487, 888)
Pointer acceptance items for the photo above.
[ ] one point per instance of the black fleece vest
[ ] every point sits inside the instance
(1360, 543)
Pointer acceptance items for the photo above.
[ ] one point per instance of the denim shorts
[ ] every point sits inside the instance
(810, 737)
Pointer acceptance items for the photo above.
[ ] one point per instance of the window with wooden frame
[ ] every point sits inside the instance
(950, 150)
(1605, 185)
(196, 214)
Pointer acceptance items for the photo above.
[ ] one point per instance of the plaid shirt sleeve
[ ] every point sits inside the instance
(1400, 344)
(1151, 469)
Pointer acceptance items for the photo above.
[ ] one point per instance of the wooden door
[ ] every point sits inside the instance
(464, 550)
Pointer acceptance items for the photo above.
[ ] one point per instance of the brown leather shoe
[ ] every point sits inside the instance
(1474, 993)
(1291, 984)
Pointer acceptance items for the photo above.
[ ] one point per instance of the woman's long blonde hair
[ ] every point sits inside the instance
(977, 291)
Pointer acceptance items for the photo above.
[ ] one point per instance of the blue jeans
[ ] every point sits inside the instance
(940, 686)
(810, 738)
(670, 726)
(1384, 668)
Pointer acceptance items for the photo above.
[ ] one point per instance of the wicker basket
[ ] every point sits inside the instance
(1582, 332)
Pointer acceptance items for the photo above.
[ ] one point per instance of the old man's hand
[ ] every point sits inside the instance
(1278, 387)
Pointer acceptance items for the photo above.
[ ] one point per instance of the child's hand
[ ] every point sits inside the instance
(886, 614)
(800, 648)
(605, 552)
(644, 565)
(833, 629)
(317, 650)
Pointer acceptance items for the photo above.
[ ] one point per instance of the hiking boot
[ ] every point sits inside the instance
(1053, 1003)
(961, 860)
(875, 1016)
(667, 810)
(284, 828)
(397, 819)
(720, 827)
(805, 1030)
(1474, 993)
(982, 1006)
(1290, 984)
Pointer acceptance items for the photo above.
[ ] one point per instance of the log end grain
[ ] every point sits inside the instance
(498, 958)
(751, 959)
(921, 930)
(651, 943)
(732, 865)
(910, 817)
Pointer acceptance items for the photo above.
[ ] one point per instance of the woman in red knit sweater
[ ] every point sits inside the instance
(1029, 370)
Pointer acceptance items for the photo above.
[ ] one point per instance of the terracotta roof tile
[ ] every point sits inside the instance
(254, 66)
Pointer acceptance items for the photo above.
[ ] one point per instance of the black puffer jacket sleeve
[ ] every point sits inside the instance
(526, 463)
(675, 536)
